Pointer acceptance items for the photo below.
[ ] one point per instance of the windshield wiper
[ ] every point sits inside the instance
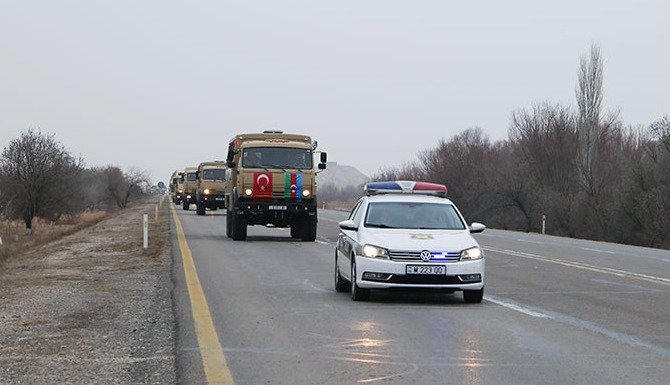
(380, 225)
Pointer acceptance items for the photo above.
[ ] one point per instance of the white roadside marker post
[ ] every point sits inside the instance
(156, 216)
(544, 222)
(145, 226)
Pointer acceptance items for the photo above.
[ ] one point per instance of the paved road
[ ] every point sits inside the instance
(556, 311)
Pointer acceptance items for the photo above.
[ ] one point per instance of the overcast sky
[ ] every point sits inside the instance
(160, 85)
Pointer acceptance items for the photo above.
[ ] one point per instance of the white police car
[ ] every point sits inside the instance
(408, 235)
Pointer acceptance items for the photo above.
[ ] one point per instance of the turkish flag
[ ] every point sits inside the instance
(262, 185)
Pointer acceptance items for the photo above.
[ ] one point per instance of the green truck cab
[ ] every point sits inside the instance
(211, 184)
(272, 183)
(174, 188)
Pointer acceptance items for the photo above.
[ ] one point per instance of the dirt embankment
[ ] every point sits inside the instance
(93, 307)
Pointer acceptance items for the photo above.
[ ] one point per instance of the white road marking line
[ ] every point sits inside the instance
(322, 242)
(528, 241)
(597, 251)
(516, 307)
(584, 266)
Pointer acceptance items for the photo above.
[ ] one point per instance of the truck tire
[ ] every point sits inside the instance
(185, 205)
(296, 230)
(200, 208)
(229, 223)
(239, 228)
(308, 230)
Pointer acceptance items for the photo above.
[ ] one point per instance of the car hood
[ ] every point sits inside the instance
(417, 240)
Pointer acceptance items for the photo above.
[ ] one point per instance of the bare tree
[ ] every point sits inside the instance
(661, 130)
(38, 177)
(589, 93)
(122, 186)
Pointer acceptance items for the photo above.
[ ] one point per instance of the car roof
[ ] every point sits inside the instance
(400, 197)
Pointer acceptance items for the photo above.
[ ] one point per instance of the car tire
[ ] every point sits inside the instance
(185, 205)
(357, 293)
(341, 285)
(473, 296)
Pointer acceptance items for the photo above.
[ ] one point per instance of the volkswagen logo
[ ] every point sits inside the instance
(425, 255)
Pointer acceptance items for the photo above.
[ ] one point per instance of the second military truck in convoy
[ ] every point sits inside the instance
(272, 183)
(210, 190)
(189, 180)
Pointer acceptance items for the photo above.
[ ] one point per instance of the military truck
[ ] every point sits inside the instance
(189, 184)
(175, 194)
(210, 190)
(272, 183)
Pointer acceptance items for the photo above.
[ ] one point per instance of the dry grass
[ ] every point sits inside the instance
(15, 240)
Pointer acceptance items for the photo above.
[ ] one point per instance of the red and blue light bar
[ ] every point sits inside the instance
(405, 187)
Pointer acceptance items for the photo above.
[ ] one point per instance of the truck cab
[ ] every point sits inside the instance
(189, 180)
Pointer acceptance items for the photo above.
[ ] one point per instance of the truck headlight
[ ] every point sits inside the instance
(471, 254)
(371, 251)
(206, 191)
(305, 193)
(181, 191)
(248, 191)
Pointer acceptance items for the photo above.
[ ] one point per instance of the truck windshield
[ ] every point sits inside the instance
(411, 215)
(190, 177)
(214, 174)
(277, 157)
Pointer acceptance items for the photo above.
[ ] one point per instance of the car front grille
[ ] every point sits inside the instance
(399, 255)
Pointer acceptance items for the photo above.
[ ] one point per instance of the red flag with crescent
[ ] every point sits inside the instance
(262, 185)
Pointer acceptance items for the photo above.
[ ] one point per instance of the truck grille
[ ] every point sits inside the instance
(437, 256)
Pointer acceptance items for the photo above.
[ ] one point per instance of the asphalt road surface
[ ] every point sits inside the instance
(555, 311)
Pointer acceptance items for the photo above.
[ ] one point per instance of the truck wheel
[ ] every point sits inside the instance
(185, 205)
(308, 230)
(239, 228)
(296, 230)
(229, 223)
(200, 208)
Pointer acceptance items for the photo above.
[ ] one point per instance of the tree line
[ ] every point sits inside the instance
(588, 173)
(40, 178)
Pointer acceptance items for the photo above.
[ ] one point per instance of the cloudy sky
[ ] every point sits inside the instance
(163, 84)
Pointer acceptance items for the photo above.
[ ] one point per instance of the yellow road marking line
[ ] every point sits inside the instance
(584, 266)
(211, 352)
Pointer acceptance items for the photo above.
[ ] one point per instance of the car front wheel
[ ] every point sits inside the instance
(357, 294)
(340, 284)
(473, 296)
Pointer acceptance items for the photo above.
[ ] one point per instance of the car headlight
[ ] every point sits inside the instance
(248, 191)
(471, 254)
(371, 251)
(206, 191)
(305, 193)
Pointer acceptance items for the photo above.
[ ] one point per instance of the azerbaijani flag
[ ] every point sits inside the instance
(293, 186)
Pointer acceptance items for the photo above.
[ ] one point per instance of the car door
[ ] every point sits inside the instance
(346, 241)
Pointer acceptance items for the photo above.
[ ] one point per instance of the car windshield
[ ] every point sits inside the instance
(277, 157)
(190, 177)
(214, 174)
(413, 215)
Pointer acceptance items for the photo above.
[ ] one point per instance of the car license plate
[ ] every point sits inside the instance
(218, 198)
(429, 269)
(277, 207)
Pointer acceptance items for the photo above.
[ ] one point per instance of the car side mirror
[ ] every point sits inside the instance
(324, 157)
(322, 166)
(197, 175)
(477, 227)
(230, 164)
(348, 225)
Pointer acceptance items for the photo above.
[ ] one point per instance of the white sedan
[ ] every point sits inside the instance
(408, 235)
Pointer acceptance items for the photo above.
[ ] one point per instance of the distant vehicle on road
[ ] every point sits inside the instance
(189, 181)
(211, 185)
(272, 183)
(176, 188)
(408, 235)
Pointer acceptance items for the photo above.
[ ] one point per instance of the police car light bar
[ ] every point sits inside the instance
(405, 187)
